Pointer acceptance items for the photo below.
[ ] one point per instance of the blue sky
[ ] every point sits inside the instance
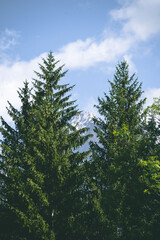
(89, 36)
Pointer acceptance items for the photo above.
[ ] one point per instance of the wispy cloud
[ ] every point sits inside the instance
(150, 94)
(132, 67)
(139, 21)
(89, 107)
(8, 39)
(83, 54)
(12, 78)
(140, 18)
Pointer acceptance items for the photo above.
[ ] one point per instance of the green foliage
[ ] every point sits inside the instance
(51, 191)
(119, 158)
(43, 174)
(151, 145)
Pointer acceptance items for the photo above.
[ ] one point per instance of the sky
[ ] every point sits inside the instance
(89, 36)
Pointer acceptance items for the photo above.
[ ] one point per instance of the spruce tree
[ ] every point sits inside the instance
(150, 163)
(116, 157)
(43, 175)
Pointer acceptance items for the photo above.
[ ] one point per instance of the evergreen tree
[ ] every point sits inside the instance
(116, 158)
(150, 163)
(43, 175)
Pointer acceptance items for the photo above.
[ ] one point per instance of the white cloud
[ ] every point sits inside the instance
(12, 78)
(140, 18)
(132, 67)
(89, 107)
(82, 54)
(150, 94)
(8, 38)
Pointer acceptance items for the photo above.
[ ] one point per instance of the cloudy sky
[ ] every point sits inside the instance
(89, 36)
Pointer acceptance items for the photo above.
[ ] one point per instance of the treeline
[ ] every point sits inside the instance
(51, 191)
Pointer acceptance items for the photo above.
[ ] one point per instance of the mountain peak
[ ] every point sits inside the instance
(85, 119)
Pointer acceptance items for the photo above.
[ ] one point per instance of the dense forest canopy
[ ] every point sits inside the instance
(50, 190)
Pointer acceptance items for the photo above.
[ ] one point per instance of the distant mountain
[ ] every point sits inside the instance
(84, 119)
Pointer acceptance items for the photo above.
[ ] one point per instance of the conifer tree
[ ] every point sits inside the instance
(116, 157)
(150, 163)
(43, 174)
